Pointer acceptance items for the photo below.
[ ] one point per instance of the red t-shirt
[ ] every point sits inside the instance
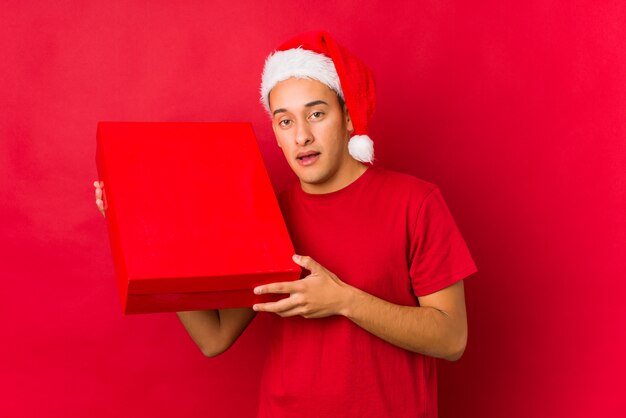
(391, 235)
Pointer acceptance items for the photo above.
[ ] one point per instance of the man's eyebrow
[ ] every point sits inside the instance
(315, 103)
(310, 104)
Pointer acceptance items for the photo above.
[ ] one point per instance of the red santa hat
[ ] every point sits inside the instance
(315, 55)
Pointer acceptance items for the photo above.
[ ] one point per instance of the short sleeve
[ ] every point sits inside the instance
(439, 256)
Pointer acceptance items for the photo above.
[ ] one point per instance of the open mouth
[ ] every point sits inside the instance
(307, 158)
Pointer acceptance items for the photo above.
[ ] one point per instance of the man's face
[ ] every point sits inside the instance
(313, 130)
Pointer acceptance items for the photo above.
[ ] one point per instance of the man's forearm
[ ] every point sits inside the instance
(426, 330)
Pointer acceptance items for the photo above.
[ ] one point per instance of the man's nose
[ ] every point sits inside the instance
(304, 136)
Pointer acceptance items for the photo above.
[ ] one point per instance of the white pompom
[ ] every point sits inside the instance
(361, 148)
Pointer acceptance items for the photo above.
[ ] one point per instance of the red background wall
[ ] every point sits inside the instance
(516, 109)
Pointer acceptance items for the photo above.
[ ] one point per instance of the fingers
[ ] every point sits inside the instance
(308, 263)
(284, 307)
(279, 287)
(275, 307)
(99, 200)
(100, 205)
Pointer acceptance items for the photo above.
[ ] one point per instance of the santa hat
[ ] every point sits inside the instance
(317, 56)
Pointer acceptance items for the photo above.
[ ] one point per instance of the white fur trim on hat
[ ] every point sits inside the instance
(361, 148)
(299, 63)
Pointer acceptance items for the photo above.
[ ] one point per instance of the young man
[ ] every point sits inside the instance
(357, 336)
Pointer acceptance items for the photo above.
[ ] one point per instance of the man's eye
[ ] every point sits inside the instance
(284, 123)
(317, 115)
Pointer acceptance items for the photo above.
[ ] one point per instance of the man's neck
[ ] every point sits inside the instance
(349, 173)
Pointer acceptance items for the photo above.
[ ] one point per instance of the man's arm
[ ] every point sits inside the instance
(438, 327)
(214, 331)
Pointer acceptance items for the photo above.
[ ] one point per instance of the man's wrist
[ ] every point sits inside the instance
(353, 297)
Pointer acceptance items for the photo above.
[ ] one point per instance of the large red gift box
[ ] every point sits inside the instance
(192, 217)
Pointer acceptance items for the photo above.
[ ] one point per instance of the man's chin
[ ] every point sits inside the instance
(313, 181)
(312, 177)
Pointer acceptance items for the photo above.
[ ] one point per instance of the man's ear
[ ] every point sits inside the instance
(349, 124)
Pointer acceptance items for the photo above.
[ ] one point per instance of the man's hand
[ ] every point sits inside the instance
(318, 295)
(437, 327)
(99, 196)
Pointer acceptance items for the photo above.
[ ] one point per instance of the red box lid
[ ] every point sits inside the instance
(190, 208)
